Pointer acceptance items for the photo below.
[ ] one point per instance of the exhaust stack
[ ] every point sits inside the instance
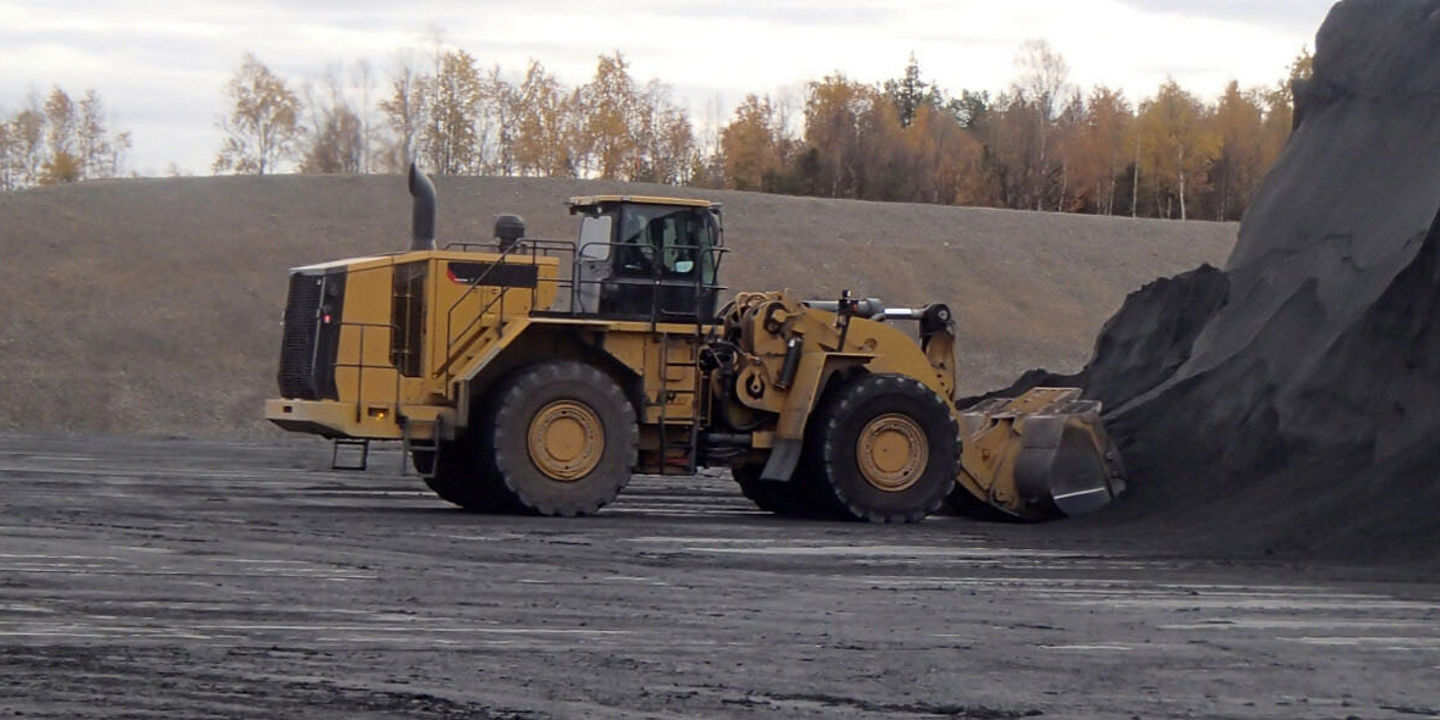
(422, 222)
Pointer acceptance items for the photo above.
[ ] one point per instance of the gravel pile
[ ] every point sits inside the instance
(1292, 402)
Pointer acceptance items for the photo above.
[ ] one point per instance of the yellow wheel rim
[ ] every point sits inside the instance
(892, 452)
(566, 440)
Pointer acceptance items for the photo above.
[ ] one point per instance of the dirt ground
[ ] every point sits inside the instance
(210, 580)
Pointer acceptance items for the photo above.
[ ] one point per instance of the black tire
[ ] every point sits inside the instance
(559, 391)
(961, 502)
(788, 499)
(458, 479)
(886, 407)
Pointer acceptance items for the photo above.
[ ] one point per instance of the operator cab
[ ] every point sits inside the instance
(647, 258)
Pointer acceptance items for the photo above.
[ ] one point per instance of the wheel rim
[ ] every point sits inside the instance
(566, 440)
(892, 452)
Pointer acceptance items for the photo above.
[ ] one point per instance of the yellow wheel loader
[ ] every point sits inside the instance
(536, 376)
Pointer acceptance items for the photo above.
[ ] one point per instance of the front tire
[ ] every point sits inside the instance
(560, 439)
(886, 449)
(787, 499)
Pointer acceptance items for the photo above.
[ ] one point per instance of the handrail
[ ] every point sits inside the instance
(540, 247)
(466, 246)
(534, 246)
(494, 245)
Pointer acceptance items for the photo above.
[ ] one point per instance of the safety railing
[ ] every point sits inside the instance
(535, 250)
(532, 249)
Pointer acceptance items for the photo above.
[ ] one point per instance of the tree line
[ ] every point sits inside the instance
(58, 139)
(1040, 144)
(458, 118)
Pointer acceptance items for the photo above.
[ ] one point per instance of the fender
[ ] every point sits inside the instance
(814, 375)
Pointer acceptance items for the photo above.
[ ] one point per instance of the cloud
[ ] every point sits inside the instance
(1290, 16)
(160, 64)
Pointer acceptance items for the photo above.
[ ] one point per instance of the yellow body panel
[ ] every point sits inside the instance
(330, 418)
(877, 346)
(426, 337)
(462, 321)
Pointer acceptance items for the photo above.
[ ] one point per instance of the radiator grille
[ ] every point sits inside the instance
(307, 350)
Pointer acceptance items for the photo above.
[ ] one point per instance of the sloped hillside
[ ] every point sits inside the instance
(152, 306)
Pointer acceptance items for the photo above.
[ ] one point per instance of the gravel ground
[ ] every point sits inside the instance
(145, 579)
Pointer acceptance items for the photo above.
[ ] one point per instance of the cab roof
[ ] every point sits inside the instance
(590, 200)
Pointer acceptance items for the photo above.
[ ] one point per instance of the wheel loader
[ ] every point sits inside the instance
(528, 375)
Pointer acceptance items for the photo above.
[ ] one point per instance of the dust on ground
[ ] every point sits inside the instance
(223, 580)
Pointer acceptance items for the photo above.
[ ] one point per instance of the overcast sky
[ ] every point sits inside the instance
(160, 64)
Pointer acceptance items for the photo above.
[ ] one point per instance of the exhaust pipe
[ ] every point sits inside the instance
(422, 222)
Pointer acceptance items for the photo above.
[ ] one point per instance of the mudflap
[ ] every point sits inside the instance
(1040, 456)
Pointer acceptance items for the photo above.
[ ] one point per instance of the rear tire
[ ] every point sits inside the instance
(458, 479)
(559, 438)
(885, 449)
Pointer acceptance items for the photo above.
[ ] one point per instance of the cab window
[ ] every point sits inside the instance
(667, 241)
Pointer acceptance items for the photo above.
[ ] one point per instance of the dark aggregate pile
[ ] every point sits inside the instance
(1291, 403)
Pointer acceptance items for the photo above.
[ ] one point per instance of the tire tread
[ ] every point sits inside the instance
(510, 491)
(841, 407)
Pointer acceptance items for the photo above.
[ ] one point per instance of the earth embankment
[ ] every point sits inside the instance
(152, 306)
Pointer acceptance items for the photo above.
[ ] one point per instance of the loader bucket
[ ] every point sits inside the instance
(1040, 456)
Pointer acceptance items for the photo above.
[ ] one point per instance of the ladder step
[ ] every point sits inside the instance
(409, 445)
(357, 465)
(677, 451)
